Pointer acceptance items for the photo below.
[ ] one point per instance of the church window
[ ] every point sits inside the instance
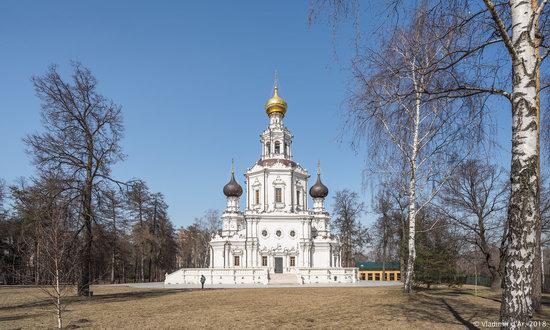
(264, 261)
(292, 233)
(237, 261)
(292, 261)
(298, 198)
(278, 195)
(278, 233)
(277, 147)
(264, 233)
(257, 196)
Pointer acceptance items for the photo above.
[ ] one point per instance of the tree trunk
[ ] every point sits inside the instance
(537, 276)
(492, 264)
(496, 281)
(113, 257)
(58, 307)
(523, 211)
(113, 267)
(36, 263)
(409, 280)
(142, 265)
(84, 285)
(537, 273)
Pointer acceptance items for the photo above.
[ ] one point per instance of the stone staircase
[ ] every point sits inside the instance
(282, 279)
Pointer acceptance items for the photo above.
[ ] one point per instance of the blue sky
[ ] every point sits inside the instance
(192, 79)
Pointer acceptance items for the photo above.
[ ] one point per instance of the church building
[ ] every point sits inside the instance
(278, 237)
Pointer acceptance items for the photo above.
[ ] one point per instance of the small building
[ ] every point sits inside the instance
(372, 271)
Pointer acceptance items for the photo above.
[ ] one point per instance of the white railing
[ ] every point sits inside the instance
(218, 276)
(259, 275)
(328, 275)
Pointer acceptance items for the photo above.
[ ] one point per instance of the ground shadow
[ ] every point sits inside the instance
(439, 307)
(20, 317)
(103, 298)
(458, 317)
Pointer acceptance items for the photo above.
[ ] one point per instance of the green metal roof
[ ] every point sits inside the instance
(377, 265)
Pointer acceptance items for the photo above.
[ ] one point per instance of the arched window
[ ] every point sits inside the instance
(257, 196)
(277, 147)
(267, 148)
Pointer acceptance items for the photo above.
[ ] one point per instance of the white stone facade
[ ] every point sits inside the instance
(277, 233)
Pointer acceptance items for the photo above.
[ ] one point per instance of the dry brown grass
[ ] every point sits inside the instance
(115, 307)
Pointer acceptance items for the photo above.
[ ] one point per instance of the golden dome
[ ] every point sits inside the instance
(275, 103)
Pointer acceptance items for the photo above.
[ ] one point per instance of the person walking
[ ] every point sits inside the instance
(203, 279)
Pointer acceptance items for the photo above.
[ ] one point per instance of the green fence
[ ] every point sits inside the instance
(481, 280)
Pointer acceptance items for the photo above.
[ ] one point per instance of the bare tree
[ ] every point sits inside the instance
(138, 198)
(194, 241)
(410, 132)
(514, 33)
(210, 223)
(82, 139)
(475, 199)
(58, 258)
(388, 228)
(112, 208)
(54, 212)
(516, 30)
(347, 210)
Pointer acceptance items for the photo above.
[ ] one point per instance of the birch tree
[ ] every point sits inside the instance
(501, 43)
(516, 29)
(410, 132)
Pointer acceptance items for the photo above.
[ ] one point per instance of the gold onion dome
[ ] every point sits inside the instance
(276, 103)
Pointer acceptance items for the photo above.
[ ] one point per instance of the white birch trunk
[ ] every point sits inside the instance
(409, 278)
(523, 212)
(58, 296)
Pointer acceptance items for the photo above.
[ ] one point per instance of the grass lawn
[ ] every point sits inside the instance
(117, 307)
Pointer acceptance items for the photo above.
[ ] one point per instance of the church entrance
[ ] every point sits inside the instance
(278, 265)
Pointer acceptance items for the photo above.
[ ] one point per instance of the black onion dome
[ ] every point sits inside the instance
(318, 190)
(232, 188)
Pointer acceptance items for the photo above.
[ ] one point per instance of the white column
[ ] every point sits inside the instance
(229, 261)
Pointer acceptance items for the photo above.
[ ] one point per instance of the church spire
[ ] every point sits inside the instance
(276, 104)
(276, 82)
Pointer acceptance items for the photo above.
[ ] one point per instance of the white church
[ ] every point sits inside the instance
(278, 238)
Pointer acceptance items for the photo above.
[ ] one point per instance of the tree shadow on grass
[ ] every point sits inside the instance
(100, 298)
(422, 307)
(459, 317)
(20, 317)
